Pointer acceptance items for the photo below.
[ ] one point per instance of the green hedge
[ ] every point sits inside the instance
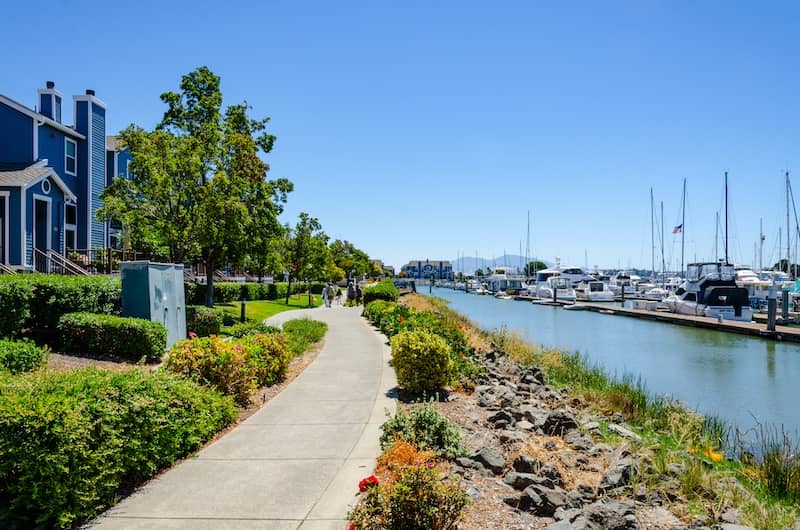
(130, 338)
(203, 321)
(21, 356)
(39, 301)
(383, 291)
(225, 292)
(72, 442)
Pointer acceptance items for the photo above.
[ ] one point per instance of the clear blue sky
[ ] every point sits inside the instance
(421, 132)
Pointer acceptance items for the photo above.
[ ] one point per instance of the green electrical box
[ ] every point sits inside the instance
(154, 291)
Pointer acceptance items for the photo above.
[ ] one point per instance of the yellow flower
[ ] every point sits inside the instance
(714, 456)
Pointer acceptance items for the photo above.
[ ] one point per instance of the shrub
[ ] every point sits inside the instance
(269, 354)
(302, 333)
(52, 296)
(211, 361)
(21, 356)
(203, 321)
(417, 498)
(129, 338)
(421, 361)
(15, 299)
(72, 442)
(426, 428)
(382, 291)
(248, 328)
(374, 311)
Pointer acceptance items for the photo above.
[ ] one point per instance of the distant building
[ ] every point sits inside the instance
(437, 269)
(51, 176)
(386, 270)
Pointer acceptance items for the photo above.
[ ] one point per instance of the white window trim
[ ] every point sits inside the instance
(6, 213)
(73, 142)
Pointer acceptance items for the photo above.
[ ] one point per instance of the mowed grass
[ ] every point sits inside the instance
(260, 310)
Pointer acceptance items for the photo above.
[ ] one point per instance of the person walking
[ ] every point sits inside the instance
(326, 296)
(351, 293)
(358, 295)
(338, 295)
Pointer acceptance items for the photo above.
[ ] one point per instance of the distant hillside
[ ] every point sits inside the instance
(469, 264)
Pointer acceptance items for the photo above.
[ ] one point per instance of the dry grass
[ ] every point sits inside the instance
(400, 454)
(552, 450)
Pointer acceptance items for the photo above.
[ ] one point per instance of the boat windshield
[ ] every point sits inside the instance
(559, 282)
(543, 276)
(596, 287)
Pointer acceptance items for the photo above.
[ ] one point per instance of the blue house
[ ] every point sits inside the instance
(51, 177)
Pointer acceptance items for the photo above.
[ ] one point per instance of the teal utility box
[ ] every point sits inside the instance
(154, 291)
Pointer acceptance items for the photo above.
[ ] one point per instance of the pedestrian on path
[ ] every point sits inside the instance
(338, 295)
(326, 295)
(351, 293)
(358, 295)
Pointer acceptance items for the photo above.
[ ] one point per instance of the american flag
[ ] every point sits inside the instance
(678, 229)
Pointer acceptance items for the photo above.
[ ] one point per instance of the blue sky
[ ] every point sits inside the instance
(423, 132)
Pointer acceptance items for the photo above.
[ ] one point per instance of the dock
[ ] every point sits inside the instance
(754, 329)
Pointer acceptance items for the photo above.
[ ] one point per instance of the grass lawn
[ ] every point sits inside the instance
(259, 310)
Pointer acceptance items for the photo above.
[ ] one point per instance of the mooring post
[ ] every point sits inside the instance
(555, 294)
(772, 308)
(785, 304)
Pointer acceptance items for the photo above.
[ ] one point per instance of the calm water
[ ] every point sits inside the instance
(739, 378)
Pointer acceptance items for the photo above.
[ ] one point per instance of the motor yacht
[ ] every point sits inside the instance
(710, 290)
(593, 291)
(558, 284)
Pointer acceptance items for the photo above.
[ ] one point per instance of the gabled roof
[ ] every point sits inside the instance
(28, 176)
(40, 117)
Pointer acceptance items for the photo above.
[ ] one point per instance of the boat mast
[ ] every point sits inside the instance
(663, 259)
(716, 239)
(683, 225)
(788, 230)
(652, 235)
(761, 244)
(528, 247)
(726, 217)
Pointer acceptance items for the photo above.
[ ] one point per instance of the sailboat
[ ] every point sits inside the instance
(710, 289)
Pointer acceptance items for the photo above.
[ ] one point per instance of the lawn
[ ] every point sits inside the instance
(260, 310)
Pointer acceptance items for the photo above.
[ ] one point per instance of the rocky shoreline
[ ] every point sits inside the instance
(540, 459)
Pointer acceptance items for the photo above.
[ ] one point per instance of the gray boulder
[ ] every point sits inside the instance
(491, 459)
(559, 422)
(542, 501)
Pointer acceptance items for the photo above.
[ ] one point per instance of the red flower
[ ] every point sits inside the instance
(351, 526)
(401, 319)
(192, 335)
(367, 483)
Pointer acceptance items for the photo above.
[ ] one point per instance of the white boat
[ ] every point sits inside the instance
(593, 291)
(503, 280)
(575, 275)
(710, 290)
(757, 288)
(623, 282)
(558, 284)
(655, 293)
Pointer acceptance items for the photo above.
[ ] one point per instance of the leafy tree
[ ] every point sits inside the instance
(783, 265)
(350, 259)
(479, 273)
(534, 266)
(307, 252)
(199, 188)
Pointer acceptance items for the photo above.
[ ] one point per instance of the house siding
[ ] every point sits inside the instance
(98, 174)
(17, 134)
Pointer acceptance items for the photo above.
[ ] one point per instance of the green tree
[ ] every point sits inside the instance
(479, 273)
(307, 253)
(534, 266)
(199, 188)
(350, 259)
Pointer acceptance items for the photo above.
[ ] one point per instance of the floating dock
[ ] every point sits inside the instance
(782, 333)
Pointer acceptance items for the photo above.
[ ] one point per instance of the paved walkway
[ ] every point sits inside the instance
(296, 463)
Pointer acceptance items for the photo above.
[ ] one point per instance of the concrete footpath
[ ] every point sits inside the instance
(296, 463)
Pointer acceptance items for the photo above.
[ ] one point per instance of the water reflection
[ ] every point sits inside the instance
(714, 372)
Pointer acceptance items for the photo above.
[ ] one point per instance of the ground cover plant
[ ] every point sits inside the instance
(71, 442)
(425, 428)
(302, 333)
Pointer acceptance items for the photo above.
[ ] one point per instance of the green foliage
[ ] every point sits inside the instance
(227, 292)
(203, 321)
(302, 333)
(425, 427)
(235, 368)
(418, 499)
(249, 328)
(21, 356)
(383, 291)
(72, 442)
(421, 360)
(15, 299)
(779, 464)
(130, 338)
(350, 260)
(38, 302)
(307, 253)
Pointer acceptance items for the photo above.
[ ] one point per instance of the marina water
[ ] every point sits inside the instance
(741, 379)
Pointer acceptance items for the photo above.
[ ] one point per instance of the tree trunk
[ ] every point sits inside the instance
(209, 284)
(289, 289)
(308, 287)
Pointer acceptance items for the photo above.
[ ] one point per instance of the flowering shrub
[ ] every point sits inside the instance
(416, 498)
(269, 354)
(366, 483)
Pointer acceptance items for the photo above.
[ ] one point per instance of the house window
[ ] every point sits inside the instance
(70, 228)
(58, 109)
(70, 156)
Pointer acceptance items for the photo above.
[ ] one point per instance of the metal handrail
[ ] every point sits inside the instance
(67, 264)
(5, 269)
